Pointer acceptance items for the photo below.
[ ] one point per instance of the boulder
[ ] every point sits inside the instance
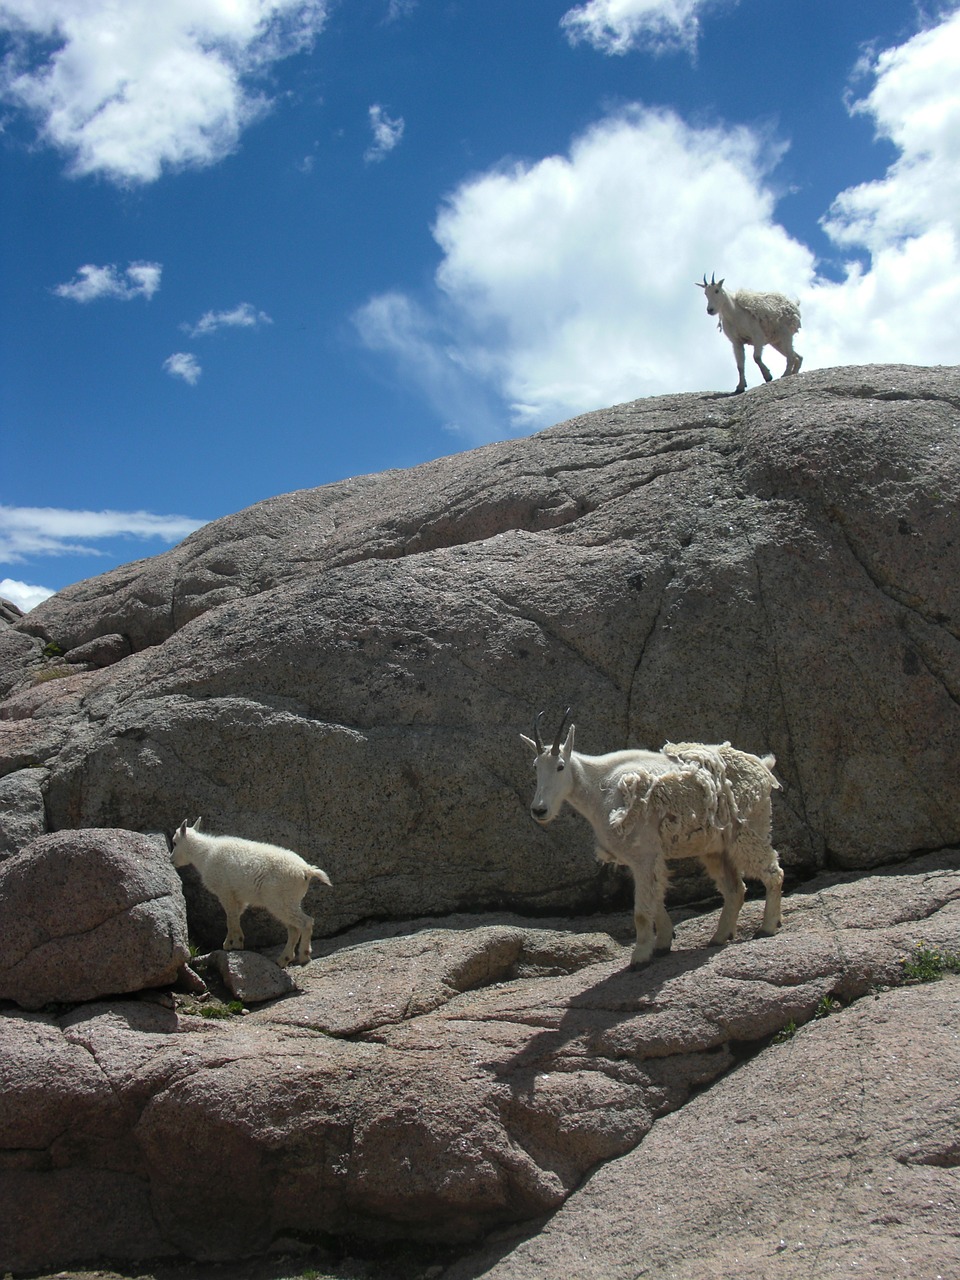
(345, 670)
(435, 1082)
(84, 914)
(251, 977)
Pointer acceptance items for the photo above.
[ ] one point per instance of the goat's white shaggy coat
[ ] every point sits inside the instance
(757, 320)
(246, 873)
(690, 800)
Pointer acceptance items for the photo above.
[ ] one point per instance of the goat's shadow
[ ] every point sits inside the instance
(592, 1014)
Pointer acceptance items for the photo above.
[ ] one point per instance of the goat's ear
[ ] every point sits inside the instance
(567, 748)
(196, 825)
(529, 742)
(182, 830)
(720, 283)
(699, 285)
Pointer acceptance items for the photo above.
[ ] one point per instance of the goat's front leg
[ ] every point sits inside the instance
(234, 909)
(649, 913)
(757, 356)
(738, 356)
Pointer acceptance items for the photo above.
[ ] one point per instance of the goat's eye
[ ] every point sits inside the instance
(560, 767)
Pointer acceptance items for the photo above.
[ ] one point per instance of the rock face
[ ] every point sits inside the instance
(344, 671)
(85, 914)
(437, 1083)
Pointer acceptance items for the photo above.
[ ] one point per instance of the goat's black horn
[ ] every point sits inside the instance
(555, 749)
(536, 734)
(713, 277)
(704, 279)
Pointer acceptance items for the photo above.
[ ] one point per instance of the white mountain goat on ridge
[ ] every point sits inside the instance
(247, 873)
(757, 320)
(690, 800)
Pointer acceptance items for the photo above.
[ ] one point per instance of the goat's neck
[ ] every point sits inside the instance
(586, 796)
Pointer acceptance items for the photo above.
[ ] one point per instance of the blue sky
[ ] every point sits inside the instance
(251, 246)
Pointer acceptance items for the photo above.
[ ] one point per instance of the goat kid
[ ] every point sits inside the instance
(246, 873)
(690, 800)
(756, 320)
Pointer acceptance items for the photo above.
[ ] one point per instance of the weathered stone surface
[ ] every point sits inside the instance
(22, 815)
(833, 1154)
(344, 670)
(85, 914)
(438, 1084)
(102, 651)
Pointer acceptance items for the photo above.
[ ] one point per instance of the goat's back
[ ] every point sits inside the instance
(775, 313)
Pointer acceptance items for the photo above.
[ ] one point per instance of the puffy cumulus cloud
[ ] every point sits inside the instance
(566, 284)
(139, 280)
(24, 595)
(185, 365)
(127, 90)
(48, 531)
(617, 26)
(243, 316)
(569, 284)
(900, 297)
(387, 133)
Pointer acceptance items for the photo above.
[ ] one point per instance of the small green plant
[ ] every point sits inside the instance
(52, 650)
(786, 1033)
(231, 1010)
(827, 1005)
(926, 963)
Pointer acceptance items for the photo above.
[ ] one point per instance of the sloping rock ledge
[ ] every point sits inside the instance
(444, 1081)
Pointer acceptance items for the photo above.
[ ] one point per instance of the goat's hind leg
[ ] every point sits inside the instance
(727, 879)
(299, 938)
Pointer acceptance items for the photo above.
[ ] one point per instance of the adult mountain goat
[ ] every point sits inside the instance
(690, 800)
(757, 320)
(247, 873)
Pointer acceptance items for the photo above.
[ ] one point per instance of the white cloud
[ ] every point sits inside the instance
(617, 26)
(901, 301)
(397, 326)
(243, 316)
(567, 284)
(139, 280)
(128, 90)
(185, 365)
(386, 134)
(23, 594)
(49, 531)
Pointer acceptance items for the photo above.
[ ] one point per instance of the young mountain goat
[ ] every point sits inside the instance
(756, 319)
(689, 800)
(246, 873)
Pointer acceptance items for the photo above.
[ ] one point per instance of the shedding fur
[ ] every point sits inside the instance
(690, 800)
(751, 319)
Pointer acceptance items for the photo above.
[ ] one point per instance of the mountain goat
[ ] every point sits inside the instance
(757, 319)
(245, 873)
(690, 800)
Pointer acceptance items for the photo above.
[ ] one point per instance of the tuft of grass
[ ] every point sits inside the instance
(827, 1005)
(927, 963)
(231, 1010)
(786, 1033)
